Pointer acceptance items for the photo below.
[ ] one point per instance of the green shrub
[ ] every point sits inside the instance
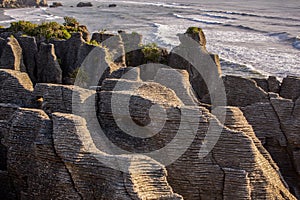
(151, 52)
(194, 30)
(93, 42)
(23, 26)
(70, 21)
(48, 30)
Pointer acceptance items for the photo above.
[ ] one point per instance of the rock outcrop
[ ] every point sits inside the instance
(233, 166)
(19, 3)
(132, 45)
(84, 4)
(29, 50)
(191, 55)
(15, 87)
(125, 132)
(48, 68)
(11, 56)
(290, 88)
(43, 162)
(242, 91)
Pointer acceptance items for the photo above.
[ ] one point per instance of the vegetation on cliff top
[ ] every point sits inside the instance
(48, 30)
(193, 30)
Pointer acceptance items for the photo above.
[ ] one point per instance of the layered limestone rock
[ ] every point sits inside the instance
(82, 141)
(29, 50)
(71, 54)
(191, 55)
(115, 48)
(242, 91)
(146, 179)
(6, 112)
(232, 169)
(11, 56)
(290, 88)
(132, 44)
(57, 159)
(114, 45)
(101, 36)
(48, 69)
(238, 166)
(58, 98)
(269, 129)
(36, 170)
(289, 118)
(15, 87)
(268, 85)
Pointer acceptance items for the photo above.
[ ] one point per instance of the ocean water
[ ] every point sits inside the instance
(253, 38)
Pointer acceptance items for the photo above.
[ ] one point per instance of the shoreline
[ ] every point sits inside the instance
(4, 18)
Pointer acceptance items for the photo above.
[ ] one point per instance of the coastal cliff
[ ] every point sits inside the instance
(51, 101)
(22, 3)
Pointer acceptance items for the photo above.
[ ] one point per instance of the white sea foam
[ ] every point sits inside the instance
(160, 4)
(30, 14)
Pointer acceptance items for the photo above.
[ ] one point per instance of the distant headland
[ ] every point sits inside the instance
(22, 3)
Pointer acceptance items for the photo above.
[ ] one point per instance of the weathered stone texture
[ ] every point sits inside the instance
(194, 58)
(48, 69)
(146, 179)
(242, 91)
(238, 164)
(15, 87)
(36, 171)
(290, 88)
(29, 50)
(238, 153)
(58, 98)
(132, 46)
(11, 57)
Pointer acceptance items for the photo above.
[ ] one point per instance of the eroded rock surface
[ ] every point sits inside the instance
(29, 50)
(15, 87)
(11, 56)
(67, 147)
(48, 68)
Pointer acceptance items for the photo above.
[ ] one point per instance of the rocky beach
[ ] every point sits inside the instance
(104, 115)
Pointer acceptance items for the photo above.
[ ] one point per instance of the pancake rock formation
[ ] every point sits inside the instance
(83, 121)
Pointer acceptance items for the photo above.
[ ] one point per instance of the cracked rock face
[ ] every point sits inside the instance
(51, 152)
(273, 118)
(235, 165)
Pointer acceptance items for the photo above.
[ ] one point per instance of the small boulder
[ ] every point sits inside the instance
(112, 5)
(56, 4)
(84, 4)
